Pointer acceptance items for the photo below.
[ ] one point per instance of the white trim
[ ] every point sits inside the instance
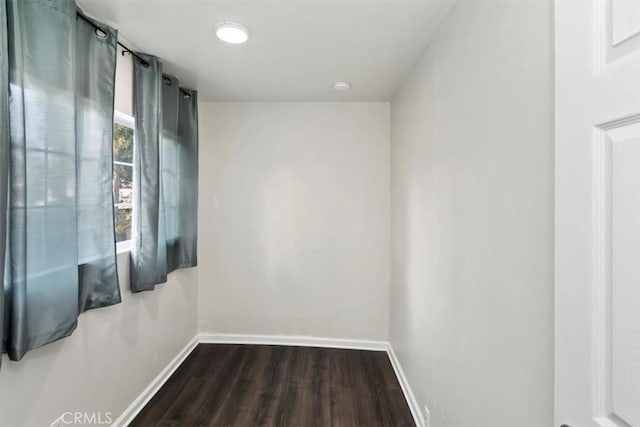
(406, 388)
(124, 119)
(296, 341)
(124, 246)
(136, 406)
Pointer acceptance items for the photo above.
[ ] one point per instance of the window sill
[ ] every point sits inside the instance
(123, 247)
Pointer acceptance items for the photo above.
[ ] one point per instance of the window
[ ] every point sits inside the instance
(123, 175)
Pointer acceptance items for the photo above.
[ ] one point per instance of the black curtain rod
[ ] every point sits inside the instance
(102, 33)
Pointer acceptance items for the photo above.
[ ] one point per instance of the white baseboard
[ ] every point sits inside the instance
(293, 340)
(136, 406)
(299, 341)
(416, 412)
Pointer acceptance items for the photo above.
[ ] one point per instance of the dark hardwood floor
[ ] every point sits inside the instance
(262, 385)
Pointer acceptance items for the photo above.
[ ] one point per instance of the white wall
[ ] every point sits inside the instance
(114, 353)
(294, 236)
(472, 240)
(294, 219)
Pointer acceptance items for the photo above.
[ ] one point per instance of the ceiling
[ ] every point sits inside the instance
(296, 49)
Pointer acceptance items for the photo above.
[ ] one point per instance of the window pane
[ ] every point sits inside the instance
(122, 143)
(122, 176)
(122, 180)
(123, 198)
(123, 224)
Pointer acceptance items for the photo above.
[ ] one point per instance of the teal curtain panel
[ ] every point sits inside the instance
(148, 251)
(186, 251)
(169, 166)
(60, 256)
(95, 82)
(42, 284)
(4, 155)
(166, 176)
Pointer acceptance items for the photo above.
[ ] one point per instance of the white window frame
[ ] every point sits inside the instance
(128, 121)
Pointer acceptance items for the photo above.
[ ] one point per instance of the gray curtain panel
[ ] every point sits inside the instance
(166, 171)
(49, 208)
(186, 252)
(95, 83)
(148, 250)
(179, 160)
(42, 284)
(4, 154)
(169, 165)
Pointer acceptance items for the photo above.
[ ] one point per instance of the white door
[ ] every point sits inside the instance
(597, 366)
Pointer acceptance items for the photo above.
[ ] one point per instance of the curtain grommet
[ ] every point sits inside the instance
(101, 34)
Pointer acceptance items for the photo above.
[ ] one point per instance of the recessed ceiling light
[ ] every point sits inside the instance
(341, 86)
(231, 32)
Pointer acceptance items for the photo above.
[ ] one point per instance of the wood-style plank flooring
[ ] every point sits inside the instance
(263, 385)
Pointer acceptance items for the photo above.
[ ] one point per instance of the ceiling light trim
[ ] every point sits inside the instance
(232, 32)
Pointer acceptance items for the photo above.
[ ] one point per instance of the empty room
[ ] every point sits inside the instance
(316, 213)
